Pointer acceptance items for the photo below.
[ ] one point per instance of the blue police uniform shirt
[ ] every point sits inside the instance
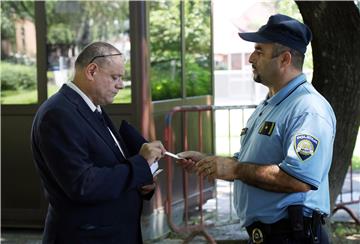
(295, 129)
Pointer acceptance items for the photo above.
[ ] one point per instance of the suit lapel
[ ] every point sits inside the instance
(115, 132)
(91, 118)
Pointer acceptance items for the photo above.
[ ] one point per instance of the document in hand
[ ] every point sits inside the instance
(134, 140)
(172, 155)
(155, 169)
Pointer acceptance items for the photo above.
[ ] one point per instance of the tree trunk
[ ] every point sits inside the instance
(336, 56)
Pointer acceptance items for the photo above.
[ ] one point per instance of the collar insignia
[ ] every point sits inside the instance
(243, 131)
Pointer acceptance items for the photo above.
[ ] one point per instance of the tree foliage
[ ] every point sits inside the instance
(80, 22)
(69, 22)
(11, 11)
(166, 48)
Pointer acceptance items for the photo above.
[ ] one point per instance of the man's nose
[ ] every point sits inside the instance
(120, 84)
(251, 58)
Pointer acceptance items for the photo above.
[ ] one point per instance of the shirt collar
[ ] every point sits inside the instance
(285, 91)
(91, 105)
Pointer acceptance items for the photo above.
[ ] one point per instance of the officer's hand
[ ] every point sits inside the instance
(215, 167)
(192, 155)
(152, 151)
(188, 159)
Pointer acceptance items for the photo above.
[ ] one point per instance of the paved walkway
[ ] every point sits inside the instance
(225, 229)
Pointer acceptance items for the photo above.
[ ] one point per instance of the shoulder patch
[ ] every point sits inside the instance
(305, 146)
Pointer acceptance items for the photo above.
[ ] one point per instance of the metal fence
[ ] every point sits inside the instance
(227, 124)
(226, 134)
(349, 195)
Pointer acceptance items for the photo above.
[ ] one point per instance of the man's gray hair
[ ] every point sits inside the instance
(296, 56)
(96, 52)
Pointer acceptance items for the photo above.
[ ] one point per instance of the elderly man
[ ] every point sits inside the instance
(93, 177)
(281, 172)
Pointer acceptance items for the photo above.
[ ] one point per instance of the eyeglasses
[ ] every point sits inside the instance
(104, 56)
(115, 78)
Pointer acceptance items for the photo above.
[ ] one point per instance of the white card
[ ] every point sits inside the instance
(157, 172)
(154, 167)
(172, 155)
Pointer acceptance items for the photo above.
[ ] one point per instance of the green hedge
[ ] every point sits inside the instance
(17, 77)
(198, 78)
(166, 80)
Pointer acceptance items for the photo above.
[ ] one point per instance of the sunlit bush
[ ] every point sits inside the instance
(17, 76)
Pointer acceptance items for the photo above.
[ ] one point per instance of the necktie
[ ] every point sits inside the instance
(100, 117)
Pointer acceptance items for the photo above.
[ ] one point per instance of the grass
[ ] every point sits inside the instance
(343, 232)
(124, 96)
(30, 96)
(19, 97)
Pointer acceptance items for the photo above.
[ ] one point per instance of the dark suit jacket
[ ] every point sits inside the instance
(92, 189)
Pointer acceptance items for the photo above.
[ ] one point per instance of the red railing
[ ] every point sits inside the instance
(350, 198)
(200, 229)
(192, 230)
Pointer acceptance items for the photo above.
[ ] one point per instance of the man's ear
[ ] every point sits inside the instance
(90, 71)
(286, 59)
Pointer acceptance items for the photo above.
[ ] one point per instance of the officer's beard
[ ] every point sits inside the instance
(257, 78)
(256, 75)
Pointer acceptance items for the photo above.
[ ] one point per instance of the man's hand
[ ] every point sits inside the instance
(215, 167)
(152, 151)
(189, 158)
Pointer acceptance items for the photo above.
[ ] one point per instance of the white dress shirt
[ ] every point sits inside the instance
(93, 107)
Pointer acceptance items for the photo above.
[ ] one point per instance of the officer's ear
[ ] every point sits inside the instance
(285, 58)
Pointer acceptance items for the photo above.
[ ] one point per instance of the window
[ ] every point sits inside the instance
(165, 49)
(247, 57)
(71, 25)
(198, 48)
(236, 61)
(221, 61)
(18, 53)
(167, 20)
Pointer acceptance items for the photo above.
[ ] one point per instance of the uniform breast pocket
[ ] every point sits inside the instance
(267, 128)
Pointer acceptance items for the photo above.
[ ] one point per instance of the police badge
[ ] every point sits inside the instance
(305, 146)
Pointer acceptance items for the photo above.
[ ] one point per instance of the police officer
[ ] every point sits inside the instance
(281, 172)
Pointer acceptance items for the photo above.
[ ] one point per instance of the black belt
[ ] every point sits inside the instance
(258, 231)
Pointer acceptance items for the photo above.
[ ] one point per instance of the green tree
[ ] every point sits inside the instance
(198, 48)
(164, 31)
(98, 21)
(10, 12)
(165, 48)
